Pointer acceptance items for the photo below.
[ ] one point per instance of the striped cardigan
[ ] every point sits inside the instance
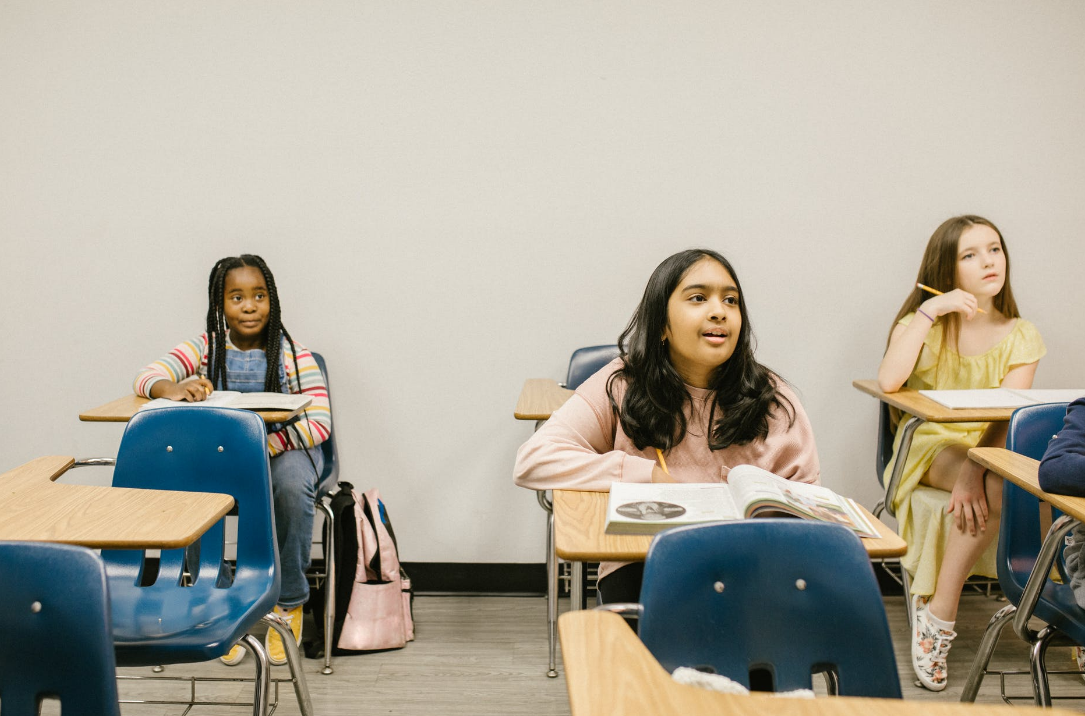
(315, 425)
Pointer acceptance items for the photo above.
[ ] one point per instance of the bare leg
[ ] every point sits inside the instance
(963, 548)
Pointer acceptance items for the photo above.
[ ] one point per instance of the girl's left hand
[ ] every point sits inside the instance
(967, 501)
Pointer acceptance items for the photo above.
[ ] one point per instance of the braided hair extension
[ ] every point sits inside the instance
(275, 331)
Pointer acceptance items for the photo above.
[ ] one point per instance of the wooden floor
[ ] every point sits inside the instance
(487, 655)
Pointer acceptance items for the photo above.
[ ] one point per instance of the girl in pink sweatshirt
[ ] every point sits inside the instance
(686, 384)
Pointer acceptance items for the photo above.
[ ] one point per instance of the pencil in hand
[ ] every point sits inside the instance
(936, 292)
(662, 462)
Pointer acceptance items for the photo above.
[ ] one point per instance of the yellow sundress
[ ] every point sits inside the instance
(921, 509)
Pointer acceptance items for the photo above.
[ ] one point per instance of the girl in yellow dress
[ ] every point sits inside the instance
(971, 336)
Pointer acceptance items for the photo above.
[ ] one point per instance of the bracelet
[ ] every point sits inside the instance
(920, 310)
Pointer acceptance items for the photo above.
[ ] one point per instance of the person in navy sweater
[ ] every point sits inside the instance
(1062, 469)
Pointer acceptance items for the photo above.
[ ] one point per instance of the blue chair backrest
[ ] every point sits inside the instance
(585, 362)
(201, 449)
(786, 596)
(886, 436)
(1030, 430)
(56, 636)
(330, 477)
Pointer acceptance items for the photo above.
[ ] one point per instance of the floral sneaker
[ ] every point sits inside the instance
(930, 647)
(1079, 659)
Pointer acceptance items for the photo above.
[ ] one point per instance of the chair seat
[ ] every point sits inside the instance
(186, 624)
(328, 484)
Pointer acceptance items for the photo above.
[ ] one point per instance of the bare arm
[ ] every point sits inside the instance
(906, 342)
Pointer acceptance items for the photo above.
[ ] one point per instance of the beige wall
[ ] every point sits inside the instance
(455, 195)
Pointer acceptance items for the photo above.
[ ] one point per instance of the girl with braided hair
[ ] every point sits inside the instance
(245, 347)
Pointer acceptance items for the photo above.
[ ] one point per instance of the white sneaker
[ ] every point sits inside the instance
(930, 648)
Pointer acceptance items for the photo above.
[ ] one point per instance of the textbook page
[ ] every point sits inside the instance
(268, 401)
(647, 507)
(757, 491)
(235, 399)
(217, 399)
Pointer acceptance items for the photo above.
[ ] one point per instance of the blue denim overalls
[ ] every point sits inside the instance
(293, 481)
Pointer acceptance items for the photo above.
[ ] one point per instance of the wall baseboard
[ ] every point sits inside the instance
(516, 579)
(434, 578)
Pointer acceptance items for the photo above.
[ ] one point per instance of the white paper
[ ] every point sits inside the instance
(990, 398)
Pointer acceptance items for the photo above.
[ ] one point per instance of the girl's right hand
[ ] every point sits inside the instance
(190, 391)
(957, 300)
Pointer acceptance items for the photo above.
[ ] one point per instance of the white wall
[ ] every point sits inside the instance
(455, 195)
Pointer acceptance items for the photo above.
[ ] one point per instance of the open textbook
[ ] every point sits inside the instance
(1002, 397)
(642, 508)
(234, 399)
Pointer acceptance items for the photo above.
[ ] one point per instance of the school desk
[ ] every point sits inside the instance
(121, 410)
(609, 672)
(539, 398)
(1024, 472)
(579, 536)
(922, 409)
(36, 509)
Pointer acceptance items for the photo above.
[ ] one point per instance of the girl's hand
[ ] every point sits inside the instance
(957, 300)
(190, 391)
(659, 476)
(967, 501)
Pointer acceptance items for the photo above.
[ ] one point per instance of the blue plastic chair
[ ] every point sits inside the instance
(1020, 553)
(784, 596)
(173, 615)
(329, 480)
(56, 640)
(585, 362)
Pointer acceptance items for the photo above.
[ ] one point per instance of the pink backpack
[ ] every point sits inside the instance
(379, 614)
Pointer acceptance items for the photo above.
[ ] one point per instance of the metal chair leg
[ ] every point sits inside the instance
(293, 660)
(576, 587)
(551, 595)
(1041, 689)
(262, 687)
(329, 584)
(983, 655)
(906, 585)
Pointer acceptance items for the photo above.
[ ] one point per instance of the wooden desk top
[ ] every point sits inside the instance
(911, 402)
(580, 519)
(609, 672)
(1022, 471)
(539, 398)
(121, 410)
(36, 509)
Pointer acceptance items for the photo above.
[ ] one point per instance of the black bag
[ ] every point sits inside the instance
(346, 570)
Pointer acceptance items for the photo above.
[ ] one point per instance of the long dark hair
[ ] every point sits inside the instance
(939, 271)
(652, 412)
(274, 332)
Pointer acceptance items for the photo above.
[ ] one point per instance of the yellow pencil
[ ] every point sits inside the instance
(936, 292)
(662, 462)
